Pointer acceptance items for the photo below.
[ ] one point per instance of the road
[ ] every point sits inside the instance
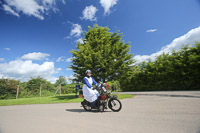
(147, 112)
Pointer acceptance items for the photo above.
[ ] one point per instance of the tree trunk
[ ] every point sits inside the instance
(17, 91)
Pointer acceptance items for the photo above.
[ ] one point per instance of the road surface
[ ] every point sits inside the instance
(148, 112)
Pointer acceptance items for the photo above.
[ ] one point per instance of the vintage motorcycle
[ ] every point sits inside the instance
(104, 100)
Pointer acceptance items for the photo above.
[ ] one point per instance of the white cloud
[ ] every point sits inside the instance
(80, 40)
(69, 59)
(107, 4)
(35, 56)
(89, 13)
(152, 30)
(30, 7)
(8, 9)
(60, 59)
(2, 59)
(188, 39)
(70, 78)
(63, 1)
(59, 69)
(23, 70)
(49, 2)
(8, 49)
(76, 31)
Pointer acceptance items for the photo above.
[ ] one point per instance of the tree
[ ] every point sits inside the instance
(8, 88)
(61, 80)
(177, 71)
(104, 53)
(33, 85)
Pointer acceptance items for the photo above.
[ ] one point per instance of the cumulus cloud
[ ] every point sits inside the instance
(2, 59)
(59, 69)
(189, 38)
(35, 56)
(63, 1)
(23, 70)
(8, 49)
(79, 40)
(30, 7)
(60, 59)
(107, 4)
(152, 30)
(89, 13)
(69, 59)
(8, 9)
(70, 78)
(76, 31)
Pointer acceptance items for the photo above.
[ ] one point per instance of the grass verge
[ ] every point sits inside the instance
(47, 100)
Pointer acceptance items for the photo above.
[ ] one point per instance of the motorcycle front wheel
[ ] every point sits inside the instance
(115, 105)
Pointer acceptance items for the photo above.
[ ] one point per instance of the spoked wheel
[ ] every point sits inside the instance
(115, 105)
(86, 106)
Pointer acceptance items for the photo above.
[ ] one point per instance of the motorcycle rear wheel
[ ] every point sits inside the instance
(85, 105)
(87, 108)
(115, 105)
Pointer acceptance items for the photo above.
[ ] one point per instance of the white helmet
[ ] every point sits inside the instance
(88, 71)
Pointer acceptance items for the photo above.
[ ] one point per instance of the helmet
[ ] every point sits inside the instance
(88, 71)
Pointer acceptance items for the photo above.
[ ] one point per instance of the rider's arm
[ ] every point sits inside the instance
(85, 81)
(95, 83)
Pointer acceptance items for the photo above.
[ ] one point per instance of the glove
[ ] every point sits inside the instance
(92, 88)
(104, 89)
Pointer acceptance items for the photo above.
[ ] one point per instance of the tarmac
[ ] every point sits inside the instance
(147, 112)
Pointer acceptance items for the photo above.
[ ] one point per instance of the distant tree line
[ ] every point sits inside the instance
(31, 88)
(177, 71)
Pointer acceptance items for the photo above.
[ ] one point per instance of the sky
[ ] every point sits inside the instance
(36, 36)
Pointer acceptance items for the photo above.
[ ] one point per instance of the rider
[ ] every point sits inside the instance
(89, 93)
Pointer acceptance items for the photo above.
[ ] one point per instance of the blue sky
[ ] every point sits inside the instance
(36, 36)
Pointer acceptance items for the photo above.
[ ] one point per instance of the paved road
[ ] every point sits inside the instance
(149, 112)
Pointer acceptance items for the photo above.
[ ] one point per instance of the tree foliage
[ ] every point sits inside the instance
(8, 88)
(34, 84)
(61, 80)
(104, 53)
(177, 71)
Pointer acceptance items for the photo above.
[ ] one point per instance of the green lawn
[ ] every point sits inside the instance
(46, 100)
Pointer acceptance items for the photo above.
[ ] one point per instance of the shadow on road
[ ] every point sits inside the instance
(67, 97)
(76, 110)
(82, 110)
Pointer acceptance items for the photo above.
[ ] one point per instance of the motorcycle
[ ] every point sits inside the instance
(104, 101)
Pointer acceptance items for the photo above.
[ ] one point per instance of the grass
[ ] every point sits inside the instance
(70, 98)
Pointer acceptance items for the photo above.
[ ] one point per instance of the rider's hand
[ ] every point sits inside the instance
(104, 89)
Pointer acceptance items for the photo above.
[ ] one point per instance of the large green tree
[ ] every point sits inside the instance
(104, 53)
